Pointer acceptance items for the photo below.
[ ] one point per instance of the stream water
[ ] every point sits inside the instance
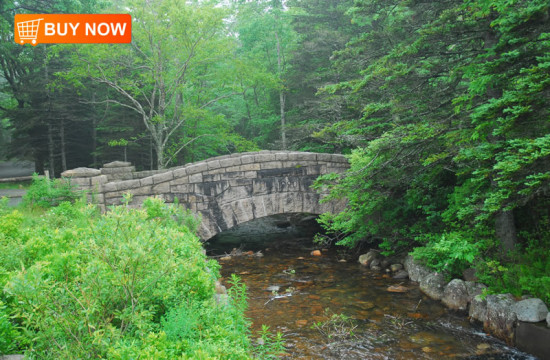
(296, 293)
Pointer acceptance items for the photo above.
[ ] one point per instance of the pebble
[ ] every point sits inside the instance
(398, 289)
(316, 253)
(225, 258)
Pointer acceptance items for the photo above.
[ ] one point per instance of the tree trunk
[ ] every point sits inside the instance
(63, 152)
(94, 141)
(281, 92)
(51, 158)
(505, 230)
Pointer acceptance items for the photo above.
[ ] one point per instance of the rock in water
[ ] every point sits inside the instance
(433, 285)
(501, 317)
(455, 295)
(531, 310)
(367, 258)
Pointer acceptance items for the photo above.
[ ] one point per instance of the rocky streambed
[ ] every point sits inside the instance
(328, 308)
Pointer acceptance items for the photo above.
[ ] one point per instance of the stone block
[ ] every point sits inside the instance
(215, 171)
(144, 190)
(338, 158)
(81, 172)
(235, 194)
(99, 180)
(161, 188)
(302, 156)
(180, 172)
(118, 170)
(264, 157)
(249, 167)
(240, 182)
(271, 165)
(313, 170)
(213, 164)
(180, 180)
(233, 168)
(324, 157)
(111, 186)
(195, 178)
(211, 178)
(117, 164)
(236, 161)
(146, 181)
(281, 156)
(247, 159)
(81, 181)
(164, 177)
(197, 168)
(128, 184)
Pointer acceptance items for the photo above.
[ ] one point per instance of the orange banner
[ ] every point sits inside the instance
(72, 28)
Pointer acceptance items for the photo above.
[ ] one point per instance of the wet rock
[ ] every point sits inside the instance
(376, 268)
(455, 295)
(474, 289)
(531, 310)
(501, 317)
(273, 288)
(367, 258)
(478, 308)
(316, 253)
(401, 274)
(385, 262)
(416, 271)
(396, 267)
(433, 285)
(375, 263)
(225, 258)
(469, 274)
(397, 289)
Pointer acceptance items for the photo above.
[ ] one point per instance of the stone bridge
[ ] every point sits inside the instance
(226, 190)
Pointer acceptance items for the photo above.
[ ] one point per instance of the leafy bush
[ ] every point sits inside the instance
(449, 253)
(45, 193)
(117, 285)
(8, 334)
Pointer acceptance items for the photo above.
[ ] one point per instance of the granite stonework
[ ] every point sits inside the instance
(226, 190)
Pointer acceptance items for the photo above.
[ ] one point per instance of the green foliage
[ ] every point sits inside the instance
(269, 346)
(336, 327)
(449, 253)
(125, 284)
(46, 193)
(8, 333)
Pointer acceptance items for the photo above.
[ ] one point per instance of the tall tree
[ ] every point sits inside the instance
(170, 74)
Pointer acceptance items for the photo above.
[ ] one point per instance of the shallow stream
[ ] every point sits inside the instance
(291, 291)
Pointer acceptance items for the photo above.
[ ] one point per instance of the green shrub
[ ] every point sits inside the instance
(8, 334)
(46, 193)
(449, 253)
(86, 285)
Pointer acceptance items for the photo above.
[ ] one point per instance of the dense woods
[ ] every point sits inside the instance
(442, 107)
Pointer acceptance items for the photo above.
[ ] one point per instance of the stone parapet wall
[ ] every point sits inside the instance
(226, 190)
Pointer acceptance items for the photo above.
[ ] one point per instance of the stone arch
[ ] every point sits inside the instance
(232, 189)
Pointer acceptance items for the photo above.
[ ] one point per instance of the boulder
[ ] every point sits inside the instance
(375, 264)
(401, 274)
(117, 164)
(367, 258)
(81, 172)
(474, 289)
(455, 295)
(396, 267)
(531, 310)
(501, 317)
(433, 285)
(478, 308)
(416, 271)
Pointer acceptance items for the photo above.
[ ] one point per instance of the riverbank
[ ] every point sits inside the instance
(520, 322)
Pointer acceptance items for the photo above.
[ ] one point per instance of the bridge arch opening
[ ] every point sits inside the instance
(272, 233)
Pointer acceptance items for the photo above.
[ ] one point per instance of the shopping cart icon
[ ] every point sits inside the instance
(28, 30)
